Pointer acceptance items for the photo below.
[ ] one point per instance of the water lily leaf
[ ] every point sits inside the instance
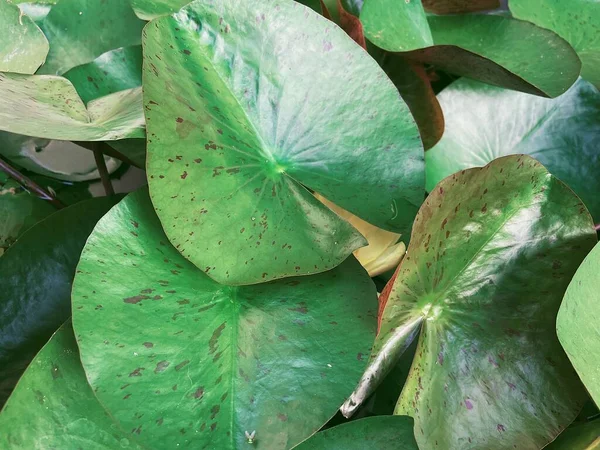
(584, 436)
(79, 31)
(577, 21)
(37, 272)
(113, 71)
(49, 107)
(492, 252)
(151, 9)
(184, 361)
(54, 407)
(228, 158)
(578, 323)
(459, 6)
(23, 46)
(484, 122)
(381, 433)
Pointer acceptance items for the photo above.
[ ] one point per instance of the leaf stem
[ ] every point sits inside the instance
(101, 165)
(107, 150)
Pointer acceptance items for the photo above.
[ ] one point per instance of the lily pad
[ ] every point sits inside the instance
(37, 272)
(54, 407)
(484, 122)
(79, 31)
(578, 323)
(492, 252)
(113, 71)
(577, 21)
(380, 433)
(151, 9)
(23, 46)
(181, 360)
(49, 107)
(230, 151)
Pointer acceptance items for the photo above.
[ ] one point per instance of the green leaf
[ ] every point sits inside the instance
(231, 148)
(113, 71)
(578, 323)
(577, 21)
(182, 360)
(134, 149)
(49, 107)
(54, 407)
(377, 433)
(37, 272)
(23, 46)
(492, 252)
(584, 436)
(79, 31)
(484, 122)
(459, 6)
(151, 9)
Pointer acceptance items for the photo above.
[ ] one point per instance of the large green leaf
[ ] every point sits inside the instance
(150, 9)
(484, 122)
(37, 272)
(578, 21)
(23, 46)
(49, 107)
(185, 361)
(53, 407)
(578, 323)
(492, 252)
(237, 130)
(113, 71)
(376, 433)
(584, 436)
(81, 30)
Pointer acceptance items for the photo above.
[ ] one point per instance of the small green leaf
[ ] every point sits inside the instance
(49, 107)
(54, 407)
(578, 323)
(376, 433)
(37, 272)
(237, 131)
(23, 46)
(151, 9)
(484, 122)
(184, 361)
(577, 21)
(492, 252)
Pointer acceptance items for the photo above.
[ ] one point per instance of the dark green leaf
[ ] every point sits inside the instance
(492, 252)
(231, 150)
(459, 6)
(584, 436)
(484, 122)
(184, 361)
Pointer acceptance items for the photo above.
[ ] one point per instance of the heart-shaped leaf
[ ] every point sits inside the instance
(185, 361)
(492, 252)
(459, 6)
(113, 71)
(151, 9)
(584, 436)
(54, 407)
(484, 122)
(377, 433)
(37, 272)
(228, 158)
(80, 30)
(23, 46)
(577, 21)
(578, 323)
(49, 107)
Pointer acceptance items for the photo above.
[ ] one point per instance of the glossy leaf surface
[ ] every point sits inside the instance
(151, 9)
(484, 122)
(376, 433)
(113, 71)
(578, 323)
(492, 252)
(54, 407)
(37, 272)
(49, 107)
(79, 31)
(577, 21)
(185, 361)
(584, 436)
(23, 46)
(230, 148)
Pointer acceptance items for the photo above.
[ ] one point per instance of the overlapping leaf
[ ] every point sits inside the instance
(584, 436)
(459, 6)
(578, 323)
(151, 9)
(492, 252)
(244, 127)
(184, 361)
(484, 122)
